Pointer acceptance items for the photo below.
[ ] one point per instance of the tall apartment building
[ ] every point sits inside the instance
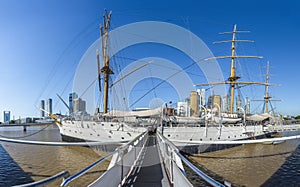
(49, 105)
(42, 108)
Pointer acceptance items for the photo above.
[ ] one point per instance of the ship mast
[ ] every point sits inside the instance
(267, 98)
(232, 79)
(105, 70)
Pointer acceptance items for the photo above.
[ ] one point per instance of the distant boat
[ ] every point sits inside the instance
(45, 121)
(273, 142)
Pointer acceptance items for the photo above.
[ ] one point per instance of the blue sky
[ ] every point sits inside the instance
(41, 42)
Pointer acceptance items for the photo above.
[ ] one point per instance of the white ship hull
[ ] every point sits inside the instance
(183, 137)
(99, 131)
(121, 132)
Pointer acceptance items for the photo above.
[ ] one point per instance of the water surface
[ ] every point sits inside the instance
(34, 162)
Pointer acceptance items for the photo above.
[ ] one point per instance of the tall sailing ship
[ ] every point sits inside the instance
(107, 126)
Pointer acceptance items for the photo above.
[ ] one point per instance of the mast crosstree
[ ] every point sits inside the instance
(267, 98)
(232, 79)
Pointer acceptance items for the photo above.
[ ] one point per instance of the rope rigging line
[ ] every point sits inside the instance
(163, 81)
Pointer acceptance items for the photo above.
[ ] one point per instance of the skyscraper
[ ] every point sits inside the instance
(49, 105)
(247, 101)
(6, 116)
(72, 96)
(42, 108)
(217, 101)
(202, 97)
(225, 103)
(210, 101)
(239, 104)
(194, 104)
(183, 110)
(79, 105)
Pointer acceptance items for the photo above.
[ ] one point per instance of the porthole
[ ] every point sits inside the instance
(109, 136)
(228, 136)
(201, 139)
(111, 125)
(98, 134)
(102, 124)
(122, 138)
(191, 139)
(169, 135)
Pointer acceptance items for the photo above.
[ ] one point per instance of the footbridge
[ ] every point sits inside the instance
(148, 160)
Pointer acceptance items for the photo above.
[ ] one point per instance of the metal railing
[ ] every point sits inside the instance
(122, 163)
(123, 154)
(173, 164)
(82, 172)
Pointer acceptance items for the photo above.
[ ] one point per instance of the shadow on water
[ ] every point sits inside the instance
(10, 172)
(288, 174)
(244, 157)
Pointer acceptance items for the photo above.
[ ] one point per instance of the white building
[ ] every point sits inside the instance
(49, 105)
(202, 97)
(239, 105)
(225, 103)
(79, 106)
(42, 109)
(183, 109)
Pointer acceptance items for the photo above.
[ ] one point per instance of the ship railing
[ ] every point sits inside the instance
(122, 161)
(172, 160)
(46, 181)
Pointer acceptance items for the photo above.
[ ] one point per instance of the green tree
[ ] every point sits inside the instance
(297, 117)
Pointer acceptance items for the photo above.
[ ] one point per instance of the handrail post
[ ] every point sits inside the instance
(205, 120)
(220, 119)
(244, 120)
(121, 156)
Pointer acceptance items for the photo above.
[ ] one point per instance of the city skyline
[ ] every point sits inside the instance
(43, 42)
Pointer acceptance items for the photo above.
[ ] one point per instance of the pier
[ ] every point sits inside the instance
(148, 160)
(25, 125)
(149, 170)
(280, 128)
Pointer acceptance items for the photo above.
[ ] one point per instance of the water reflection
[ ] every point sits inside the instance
(252, 165)
(40, 162)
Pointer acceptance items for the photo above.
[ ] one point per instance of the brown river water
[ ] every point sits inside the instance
(247, 165)
(39, 162)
